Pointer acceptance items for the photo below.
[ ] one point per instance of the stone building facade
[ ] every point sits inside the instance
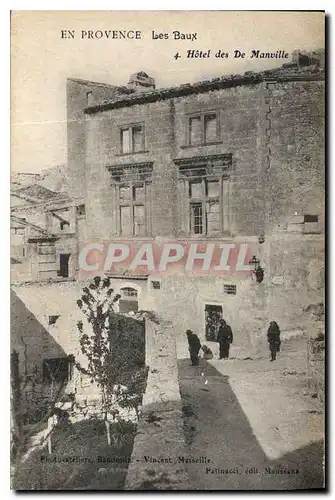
(238, 159)
(45, 227)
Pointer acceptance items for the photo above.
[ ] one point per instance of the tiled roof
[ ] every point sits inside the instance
(287, 72)
(90, 82)
(36, 192)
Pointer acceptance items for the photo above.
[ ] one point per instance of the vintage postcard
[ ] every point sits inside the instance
(167, 250)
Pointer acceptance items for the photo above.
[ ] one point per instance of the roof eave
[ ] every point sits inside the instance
(189, 89)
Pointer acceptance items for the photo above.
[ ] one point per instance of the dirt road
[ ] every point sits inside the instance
(220, 436)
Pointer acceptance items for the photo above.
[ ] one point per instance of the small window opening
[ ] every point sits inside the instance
(81, 210)
(311, 218)
(53, 319)
(229, 289)
(89, 97)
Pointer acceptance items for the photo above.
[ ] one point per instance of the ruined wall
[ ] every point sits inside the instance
(55, 178)
(160, 429)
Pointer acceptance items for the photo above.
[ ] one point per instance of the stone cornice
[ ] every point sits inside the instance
(201, 160)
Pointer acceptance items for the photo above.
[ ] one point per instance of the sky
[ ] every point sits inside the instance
(41, 60)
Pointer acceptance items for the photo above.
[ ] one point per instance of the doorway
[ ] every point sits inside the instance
(64, 264)
(213, 315)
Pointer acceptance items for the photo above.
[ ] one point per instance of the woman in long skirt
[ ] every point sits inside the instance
(273, 339)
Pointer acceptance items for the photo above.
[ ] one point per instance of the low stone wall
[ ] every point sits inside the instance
(160, 437)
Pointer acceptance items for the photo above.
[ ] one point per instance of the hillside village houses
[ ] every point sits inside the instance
(238, 159)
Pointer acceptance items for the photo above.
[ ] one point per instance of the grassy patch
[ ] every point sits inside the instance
(74, 463)
(161, 482)
(189, 420)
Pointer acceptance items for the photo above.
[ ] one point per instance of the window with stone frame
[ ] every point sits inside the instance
(203, 185)
(132, 139)
(229, 289)
(131, 186)
(203, 128)
(196, 218)
(204, 202)
(132, 215)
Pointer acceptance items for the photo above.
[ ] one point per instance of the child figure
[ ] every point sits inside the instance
(207, 352)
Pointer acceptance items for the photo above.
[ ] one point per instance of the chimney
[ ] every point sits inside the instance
(141, 82)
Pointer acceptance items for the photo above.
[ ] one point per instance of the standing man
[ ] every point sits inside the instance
(273, 339)
(225, 338)
(194, 346)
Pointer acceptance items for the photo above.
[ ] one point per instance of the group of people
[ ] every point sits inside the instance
(225, 339)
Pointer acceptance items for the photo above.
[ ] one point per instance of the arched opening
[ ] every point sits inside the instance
(129, 300)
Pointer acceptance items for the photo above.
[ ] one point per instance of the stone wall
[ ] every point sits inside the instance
(33, 343)
(295, 130)
(76, 100)
(160, 436)
(36, 340)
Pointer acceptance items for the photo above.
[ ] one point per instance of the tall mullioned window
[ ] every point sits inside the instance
(131, 186)
(204, 194)
(132, 213)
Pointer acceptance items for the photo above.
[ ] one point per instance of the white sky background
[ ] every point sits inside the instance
(41, 61)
